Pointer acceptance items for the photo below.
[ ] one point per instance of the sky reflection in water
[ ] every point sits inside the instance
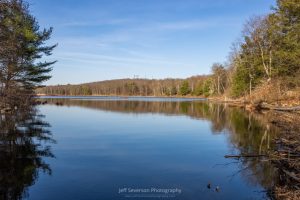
(103, 146)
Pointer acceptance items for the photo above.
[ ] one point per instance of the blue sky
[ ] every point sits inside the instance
(111, 39)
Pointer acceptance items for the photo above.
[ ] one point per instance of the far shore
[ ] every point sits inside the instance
(122, 96)
(216, 99)
(248, 105)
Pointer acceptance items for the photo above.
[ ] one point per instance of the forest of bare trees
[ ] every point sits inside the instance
(134, 87)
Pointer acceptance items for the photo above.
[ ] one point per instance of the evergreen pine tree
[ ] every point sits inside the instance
(22, 45)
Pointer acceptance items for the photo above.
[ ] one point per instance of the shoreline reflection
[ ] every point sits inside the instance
(248, 133)
(25, 140)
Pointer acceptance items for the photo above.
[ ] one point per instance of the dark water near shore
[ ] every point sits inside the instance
(103, 148)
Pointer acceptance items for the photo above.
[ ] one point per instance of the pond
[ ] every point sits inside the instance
(133, 148)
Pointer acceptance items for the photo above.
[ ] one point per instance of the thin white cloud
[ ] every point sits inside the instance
(100, 58)
(180, 25)
(95, 22)
(129, 46)
(144, 34)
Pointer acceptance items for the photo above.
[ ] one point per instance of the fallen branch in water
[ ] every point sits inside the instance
(291, 175)
(245, 156)
(270, 107)
(278, 156)
(297, 108)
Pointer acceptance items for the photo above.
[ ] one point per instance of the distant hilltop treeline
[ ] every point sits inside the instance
(196, 86)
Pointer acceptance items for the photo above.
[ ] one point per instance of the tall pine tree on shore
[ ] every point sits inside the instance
(22, 45)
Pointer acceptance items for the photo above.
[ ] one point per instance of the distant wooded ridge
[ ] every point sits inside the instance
(195, 85)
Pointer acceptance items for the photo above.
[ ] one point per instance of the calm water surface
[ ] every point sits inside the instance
(102, 148)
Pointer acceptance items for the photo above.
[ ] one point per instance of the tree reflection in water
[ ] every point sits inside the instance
(24, 143)
(247, 133)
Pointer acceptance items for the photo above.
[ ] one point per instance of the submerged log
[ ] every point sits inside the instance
(245, 156)
(270, 107)
(291, 175)
(295, 108)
